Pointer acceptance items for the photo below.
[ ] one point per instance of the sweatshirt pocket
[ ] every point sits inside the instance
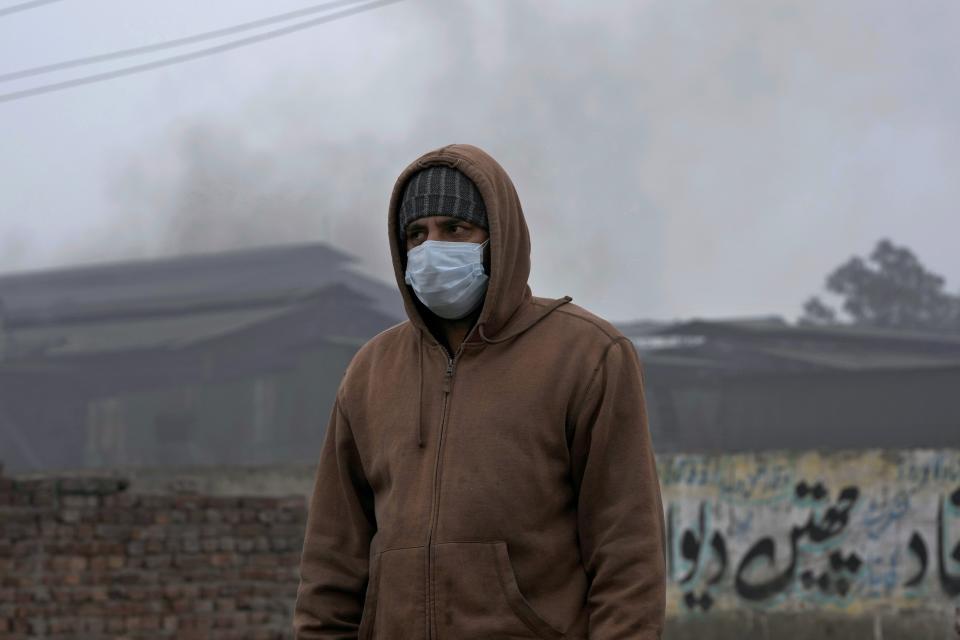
(478, 597)
(393, 607)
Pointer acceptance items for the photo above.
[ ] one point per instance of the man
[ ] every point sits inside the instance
(487, 471)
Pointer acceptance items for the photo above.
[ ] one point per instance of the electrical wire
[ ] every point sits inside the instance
(24, 6)
(171, 44)
(166, 62)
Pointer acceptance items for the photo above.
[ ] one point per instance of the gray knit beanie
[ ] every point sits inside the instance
(440, 191)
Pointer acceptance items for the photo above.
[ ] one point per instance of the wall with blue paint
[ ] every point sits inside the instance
(848, 533)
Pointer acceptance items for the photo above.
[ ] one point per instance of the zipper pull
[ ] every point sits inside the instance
(448, 376)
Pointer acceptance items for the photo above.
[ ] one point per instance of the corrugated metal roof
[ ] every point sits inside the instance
(820, 333)
(768, 344)
(174, 302)
(129, 334)
(135, 286)
(864, 359)
(744, 322)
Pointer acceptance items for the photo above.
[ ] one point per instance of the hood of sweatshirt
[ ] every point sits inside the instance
(506, 311)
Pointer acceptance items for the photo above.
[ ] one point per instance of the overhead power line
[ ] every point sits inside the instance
(23, 6)
(166, 62)
(172, 44)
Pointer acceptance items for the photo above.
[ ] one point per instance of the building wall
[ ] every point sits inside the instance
(275, 415)
(84, 558)
(784, 546)
(843, 533)
(876, 531)
(844, 409)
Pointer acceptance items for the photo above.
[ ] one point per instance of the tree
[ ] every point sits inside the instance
(890, 290)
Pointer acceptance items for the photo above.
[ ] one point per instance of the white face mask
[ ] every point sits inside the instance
(448, 277)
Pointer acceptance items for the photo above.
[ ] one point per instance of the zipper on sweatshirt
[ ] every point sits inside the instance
(447, 386)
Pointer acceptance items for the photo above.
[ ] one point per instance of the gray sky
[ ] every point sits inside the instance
(673, 159)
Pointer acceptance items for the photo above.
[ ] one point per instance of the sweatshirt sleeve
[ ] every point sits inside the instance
(620, 513)
(340, 525)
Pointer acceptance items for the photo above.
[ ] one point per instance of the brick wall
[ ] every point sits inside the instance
(83, 557)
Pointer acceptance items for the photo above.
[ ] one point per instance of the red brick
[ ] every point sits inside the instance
(185, 566)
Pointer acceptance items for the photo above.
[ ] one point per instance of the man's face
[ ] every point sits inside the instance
(448, 229)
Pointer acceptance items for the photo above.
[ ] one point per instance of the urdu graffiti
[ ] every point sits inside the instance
(844, 531)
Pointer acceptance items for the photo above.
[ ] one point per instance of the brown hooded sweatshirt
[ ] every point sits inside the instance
(508, 490)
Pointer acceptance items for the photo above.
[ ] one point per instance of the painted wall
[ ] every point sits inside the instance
(847, 533)
(766, 545)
